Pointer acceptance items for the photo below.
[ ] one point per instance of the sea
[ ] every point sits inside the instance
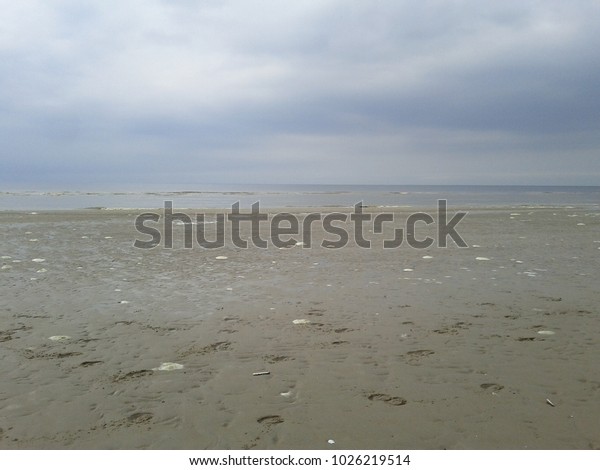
(298, 196)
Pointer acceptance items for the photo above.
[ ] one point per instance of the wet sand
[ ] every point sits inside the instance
(398, 351)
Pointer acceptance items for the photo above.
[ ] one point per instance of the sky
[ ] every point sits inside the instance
(180, 93)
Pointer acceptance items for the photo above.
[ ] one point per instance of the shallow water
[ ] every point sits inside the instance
(271, 196)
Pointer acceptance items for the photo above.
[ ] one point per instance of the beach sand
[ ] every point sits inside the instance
(399, 351)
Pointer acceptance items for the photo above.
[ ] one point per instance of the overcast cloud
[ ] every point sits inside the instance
(112, 93)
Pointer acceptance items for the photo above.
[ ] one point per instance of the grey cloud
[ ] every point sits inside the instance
(388, 91)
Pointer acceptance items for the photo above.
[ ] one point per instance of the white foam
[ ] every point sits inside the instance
(408, 270)
(301, 321)
(546, 332)
(482, 258)
(38, 260)
(427, 257)
(221, 257)
(43, 270)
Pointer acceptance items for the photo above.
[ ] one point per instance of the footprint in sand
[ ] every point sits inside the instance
(139, 418)
(414, 357)
(5, 336)
(316, 312)
(90, 363)
(274, 359)
(30, 354)
(493, 387)
(228, 331)
(394, 401)
(132, 375)
(453, 329)
(211, 348)
(270, 420)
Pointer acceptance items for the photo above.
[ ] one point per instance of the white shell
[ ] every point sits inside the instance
(59, 338)
(169, 366)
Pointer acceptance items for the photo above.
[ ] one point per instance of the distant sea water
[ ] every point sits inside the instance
(290, 196)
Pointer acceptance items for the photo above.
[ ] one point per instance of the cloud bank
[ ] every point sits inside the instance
(181, 92)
